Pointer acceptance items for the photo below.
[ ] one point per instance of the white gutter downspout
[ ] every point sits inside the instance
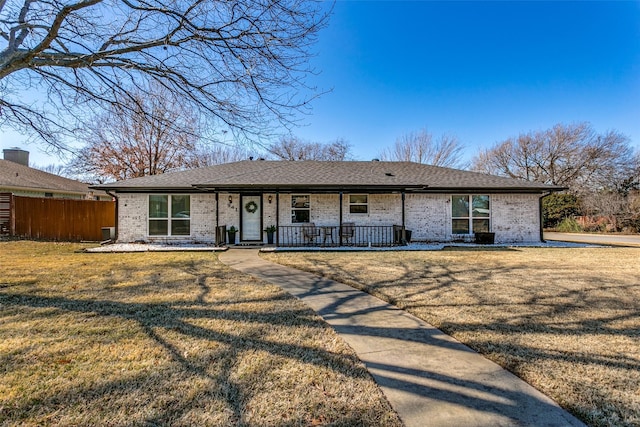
(116, 223)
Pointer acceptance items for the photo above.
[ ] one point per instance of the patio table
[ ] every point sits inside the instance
(327, 231)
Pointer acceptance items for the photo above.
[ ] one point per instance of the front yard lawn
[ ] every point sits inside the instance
(565, 320)
(166, 339)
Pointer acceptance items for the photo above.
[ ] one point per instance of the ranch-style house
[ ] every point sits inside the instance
(326, 203)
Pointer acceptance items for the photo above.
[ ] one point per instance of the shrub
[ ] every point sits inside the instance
(559, 206)
(569, 225)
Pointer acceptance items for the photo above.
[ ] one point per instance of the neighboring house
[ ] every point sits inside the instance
(327, 203)
(17, 178)
(27, 207)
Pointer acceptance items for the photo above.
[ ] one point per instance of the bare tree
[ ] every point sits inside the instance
(216, 154)
(294, 148)
(150, 135)
(242, 62)
(569, 155)
(55, 169)
(618, 203)
(422, 147)
(606, 204)
(632, 183)
(598, 168)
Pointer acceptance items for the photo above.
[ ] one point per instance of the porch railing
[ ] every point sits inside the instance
(334, 235)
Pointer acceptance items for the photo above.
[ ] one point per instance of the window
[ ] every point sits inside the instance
(358, 203)
(169, 215)
(300, 211)
(470, 214)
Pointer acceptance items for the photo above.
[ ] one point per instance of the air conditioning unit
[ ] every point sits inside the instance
(108, 233)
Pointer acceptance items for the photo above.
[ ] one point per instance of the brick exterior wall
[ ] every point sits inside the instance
(269, 211)
(514, 217)
(203, 217)
(133, 212)
(428, 216)
(229, 213)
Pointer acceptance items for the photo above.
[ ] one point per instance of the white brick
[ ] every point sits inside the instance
(133, 216)
(514, 217)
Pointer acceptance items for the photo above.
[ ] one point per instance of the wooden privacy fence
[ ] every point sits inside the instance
(60, 219)
(5, 212)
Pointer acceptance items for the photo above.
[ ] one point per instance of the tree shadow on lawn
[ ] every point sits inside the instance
(568, 315)
(155, 320)
(431, 288)
(439, 391)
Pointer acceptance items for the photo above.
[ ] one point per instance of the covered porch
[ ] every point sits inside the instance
(312, 218)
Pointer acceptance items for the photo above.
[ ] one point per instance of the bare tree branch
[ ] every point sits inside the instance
(422, 147)
(153, 135)
(241, 64)
(599, 169)
(568, 155)
(218, 154)
(293, 148)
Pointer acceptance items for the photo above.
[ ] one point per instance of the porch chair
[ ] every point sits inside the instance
(310, 232)
(347, 231)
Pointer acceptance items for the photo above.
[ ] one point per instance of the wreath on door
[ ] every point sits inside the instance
(251, 207)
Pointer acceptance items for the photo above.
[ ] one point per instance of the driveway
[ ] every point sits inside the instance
(597, 239)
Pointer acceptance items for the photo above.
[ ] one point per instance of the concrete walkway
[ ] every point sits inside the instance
(429, 378)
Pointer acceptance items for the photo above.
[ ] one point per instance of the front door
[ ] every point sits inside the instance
(251, 218)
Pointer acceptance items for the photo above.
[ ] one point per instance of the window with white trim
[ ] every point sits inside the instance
(358, 203)
(169, 215)
(300, 208)
(470, 213)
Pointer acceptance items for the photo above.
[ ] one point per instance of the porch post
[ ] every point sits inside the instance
(217, 209)
(340, 218)
(217, 238)
(404, 234)
(277, 218)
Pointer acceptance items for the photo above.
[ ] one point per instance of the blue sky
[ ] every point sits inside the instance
(483, 71)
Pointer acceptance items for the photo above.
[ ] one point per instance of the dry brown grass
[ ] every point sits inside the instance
(565, 320)
(166, 339)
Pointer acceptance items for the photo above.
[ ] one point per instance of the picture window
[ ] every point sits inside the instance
(470, 214)
(169, 215)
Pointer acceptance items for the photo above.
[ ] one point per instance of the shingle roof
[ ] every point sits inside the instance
(271, 175)
(16, 176)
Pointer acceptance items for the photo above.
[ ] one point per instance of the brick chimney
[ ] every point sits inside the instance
(16, 155)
